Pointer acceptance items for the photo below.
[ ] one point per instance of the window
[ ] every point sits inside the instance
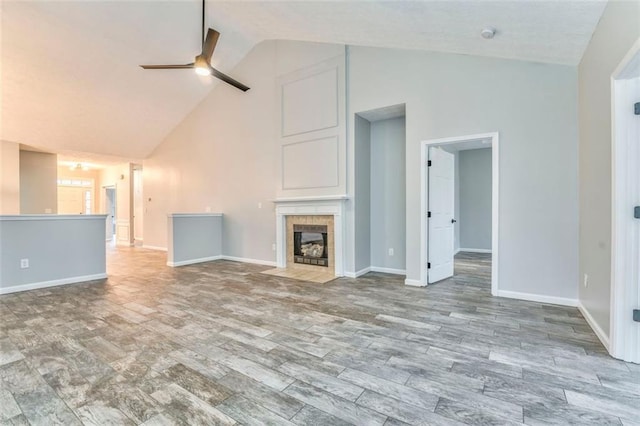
(75, 182)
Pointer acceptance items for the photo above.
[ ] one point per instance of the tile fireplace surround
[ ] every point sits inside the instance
(313, 211)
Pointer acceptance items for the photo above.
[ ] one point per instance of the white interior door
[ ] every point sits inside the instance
(110, 207)
(70, 200)
(441, 211)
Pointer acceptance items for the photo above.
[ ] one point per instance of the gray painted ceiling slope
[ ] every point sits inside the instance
(71, 82)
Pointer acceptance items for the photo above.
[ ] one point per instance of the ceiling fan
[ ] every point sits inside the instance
(202, 63)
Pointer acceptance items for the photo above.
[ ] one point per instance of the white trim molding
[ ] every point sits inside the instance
(594, 325)
(494, 137)
(388, 270)
(192, 261)
(52, 283)
(326, 206)
(624, 333)
(380, 269)
(359, 273)
(552, 300)
(248, 260)
(414, 283)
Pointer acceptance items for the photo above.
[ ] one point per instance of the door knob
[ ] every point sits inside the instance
(453, 221)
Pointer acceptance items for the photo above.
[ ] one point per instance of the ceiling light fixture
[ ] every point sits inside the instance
(202, 66)
(488, 33)
(79, 166)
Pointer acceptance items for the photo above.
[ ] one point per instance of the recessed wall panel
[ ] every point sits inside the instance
(310, 164)
(310, 103)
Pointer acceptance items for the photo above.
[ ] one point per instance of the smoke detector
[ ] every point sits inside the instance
(488, 33)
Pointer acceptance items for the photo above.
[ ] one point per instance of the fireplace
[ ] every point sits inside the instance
(324, 211)
(310, 245)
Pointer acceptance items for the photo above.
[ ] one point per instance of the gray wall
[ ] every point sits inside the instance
(193, 238)
(475, 198)
(533, 106)
(58, 248)
(362, 199)
(616, 32)
(38, 182)
(388, 193)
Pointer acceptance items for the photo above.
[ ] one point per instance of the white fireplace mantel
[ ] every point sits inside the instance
(326, 206)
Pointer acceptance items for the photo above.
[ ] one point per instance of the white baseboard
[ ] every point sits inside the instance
(413, 283)
(563, 301)
(154, 247)
(472, 250)
(456, 251)
(368, 269)
(52, 283)
(388, 270)
(247, 260)
(357, 274)
(594, 326)
(192, 261)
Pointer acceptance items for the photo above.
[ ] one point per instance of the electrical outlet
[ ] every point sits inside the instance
(48, 211)
(273, 246)
(586, 280)
(259, 205)
(207, 209)
(24, 263)
(390, 252)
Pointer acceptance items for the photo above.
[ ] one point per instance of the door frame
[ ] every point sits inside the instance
(495, 203)
(623, 342)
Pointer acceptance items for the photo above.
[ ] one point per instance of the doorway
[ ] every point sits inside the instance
(110, 210)
(625, 232)
(440, 224)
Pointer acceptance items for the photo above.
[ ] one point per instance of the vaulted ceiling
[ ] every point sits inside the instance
(71, 81)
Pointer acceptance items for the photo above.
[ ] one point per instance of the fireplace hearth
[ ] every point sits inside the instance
(310, 245)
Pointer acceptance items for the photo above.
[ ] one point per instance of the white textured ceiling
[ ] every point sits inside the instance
(71, 81)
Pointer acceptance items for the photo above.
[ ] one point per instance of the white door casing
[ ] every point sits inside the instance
(494, 139)
(624, 333)
(441, 206)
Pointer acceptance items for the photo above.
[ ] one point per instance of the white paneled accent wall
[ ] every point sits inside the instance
(312, 130)
(300, 160)
(302, 113)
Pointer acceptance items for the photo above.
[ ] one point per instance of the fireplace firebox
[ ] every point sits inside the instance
(310, 245)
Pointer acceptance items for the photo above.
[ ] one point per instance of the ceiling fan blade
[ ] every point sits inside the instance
(228, 80)
(210, 44)
(166, 67)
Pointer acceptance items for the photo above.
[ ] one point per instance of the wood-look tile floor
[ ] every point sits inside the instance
(220, 343)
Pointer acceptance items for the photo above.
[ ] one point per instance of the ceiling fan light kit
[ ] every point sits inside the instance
(201, 66)
(202, 63)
